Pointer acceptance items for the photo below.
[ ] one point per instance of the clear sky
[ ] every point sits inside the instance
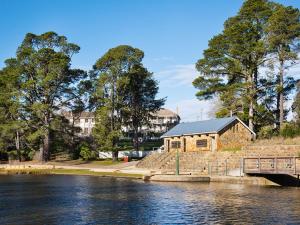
(172, 33)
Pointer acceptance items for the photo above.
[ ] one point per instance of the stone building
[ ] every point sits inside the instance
(208, 135)
(162, 121)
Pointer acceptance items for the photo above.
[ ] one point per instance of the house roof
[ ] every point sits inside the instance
(204, 126)
(165, 113)
(160, 113)
(84, 114)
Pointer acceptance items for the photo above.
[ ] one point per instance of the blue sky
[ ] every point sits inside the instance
(172, 33)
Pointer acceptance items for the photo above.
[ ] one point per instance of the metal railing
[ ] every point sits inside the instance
(223, 168)
(272, 165)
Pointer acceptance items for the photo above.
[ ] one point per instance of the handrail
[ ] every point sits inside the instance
(276, 165)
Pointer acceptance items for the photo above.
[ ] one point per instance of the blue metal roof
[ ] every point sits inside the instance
(199, 127)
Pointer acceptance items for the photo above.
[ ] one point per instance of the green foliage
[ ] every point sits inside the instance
(48, 83)
(261, 34)
(140, 90)
(267, 132)
(296, 104)
(107, 94)
(86, 153)
(290, 130)
(33, 87)
(230, 64)
(123, 93)
(13, 155)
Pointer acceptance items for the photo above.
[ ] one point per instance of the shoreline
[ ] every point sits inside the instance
(129, 171)
(257, 181)
(62, 171)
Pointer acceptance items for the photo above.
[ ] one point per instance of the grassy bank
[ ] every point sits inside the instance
(69, 172)
(106, 162)
(278, 141)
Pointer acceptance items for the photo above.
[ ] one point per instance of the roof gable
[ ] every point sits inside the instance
(200, 127)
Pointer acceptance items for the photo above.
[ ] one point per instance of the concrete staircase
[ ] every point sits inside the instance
(200, 163)
(155, 160)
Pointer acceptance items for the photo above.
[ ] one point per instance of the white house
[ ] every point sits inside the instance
(162, 121)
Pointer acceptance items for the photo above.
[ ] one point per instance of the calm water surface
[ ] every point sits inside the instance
(26, 199)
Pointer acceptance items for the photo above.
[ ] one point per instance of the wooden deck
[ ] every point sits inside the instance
(272, 165)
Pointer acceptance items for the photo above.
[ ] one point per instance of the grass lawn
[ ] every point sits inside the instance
(107, 162)
(69, 172)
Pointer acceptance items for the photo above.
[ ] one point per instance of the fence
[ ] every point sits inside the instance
(122, 154)
(223, 168)
(272, 165)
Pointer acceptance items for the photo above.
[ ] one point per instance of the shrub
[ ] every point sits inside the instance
(13, 155)
(290, 130)
(267, 132)
(86, 153)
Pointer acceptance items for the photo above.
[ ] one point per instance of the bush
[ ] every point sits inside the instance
(86, 153)
(267, 132)
(290, 130)
(13, 155)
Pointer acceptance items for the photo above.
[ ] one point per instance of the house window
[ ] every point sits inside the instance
(77, 121)
(93, 120)
(86, 120)
(202, 143)
(86, 130)
(160, 120)
(175, 144)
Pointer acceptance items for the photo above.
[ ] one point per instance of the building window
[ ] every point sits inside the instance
(86, 130)
(202, 143)
(93, 120)
(160, 120)
(86, 120)
(175, 144)
(77, 121)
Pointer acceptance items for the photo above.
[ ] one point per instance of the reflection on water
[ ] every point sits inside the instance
(49, 199)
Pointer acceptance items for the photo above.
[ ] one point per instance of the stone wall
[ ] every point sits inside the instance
(215, 163)
(191, 142)
(234, 136)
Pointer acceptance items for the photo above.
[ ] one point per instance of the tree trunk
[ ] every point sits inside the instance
(46, 147)
(281, 97)
(18, 145)
(136, 139)
(251, 114)
(251, 101)
(115, 155)
(277, 113)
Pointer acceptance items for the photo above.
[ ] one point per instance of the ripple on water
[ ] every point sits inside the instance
(92, 200)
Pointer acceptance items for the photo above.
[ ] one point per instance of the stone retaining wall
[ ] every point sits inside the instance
(214, 163)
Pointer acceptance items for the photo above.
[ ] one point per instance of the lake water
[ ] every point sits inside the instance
(69, 200)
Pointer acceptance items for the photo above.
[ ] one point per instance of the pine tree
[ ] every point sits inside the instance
(48, 84)
(140, 90)
(11, 127)
(107, 95)
(283, 32)
(229, 67)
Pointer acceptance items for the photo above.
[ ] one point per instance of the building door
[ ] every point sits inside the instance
(213, 144)
(184, 144)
